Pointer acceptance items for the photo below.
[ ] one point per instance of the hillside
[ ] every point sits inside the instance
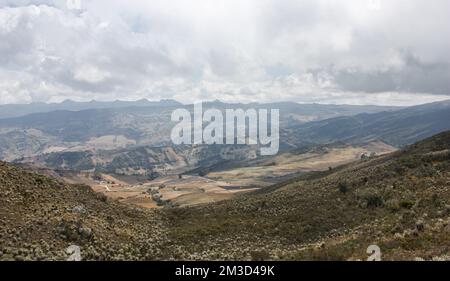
(397, 128)
(400, 202)
(41, 217)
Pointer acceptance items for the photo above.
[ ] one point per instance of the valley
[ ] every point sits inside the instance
(343, 180)
(175, 188)
(399, 201)
(123, 150)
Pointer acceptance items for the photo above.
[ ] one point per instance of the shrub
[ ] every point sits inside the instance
(393, 205)
(406, 204)
(343, 187)
(370, 198)
(39, 181)
(102, 197)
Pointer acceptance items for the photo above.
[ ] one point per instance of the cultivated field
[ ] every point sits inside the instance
(289, 164)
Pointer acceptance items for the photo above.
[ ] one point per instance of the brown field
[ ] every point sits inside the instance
(289, 164)
(187, 190)
(216, 186)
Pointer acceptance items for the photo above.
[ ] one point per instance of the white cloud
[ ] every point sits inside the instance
(90, 74)
(351, 51)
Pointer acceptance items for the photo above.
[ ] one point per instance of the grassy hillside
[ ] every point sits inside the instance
(399, 202)
(41, 217)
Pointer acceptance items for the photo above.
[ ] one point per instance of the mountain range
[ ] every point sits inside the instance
(17, 110)
(117, 127)
(136, 139)
(398, 127)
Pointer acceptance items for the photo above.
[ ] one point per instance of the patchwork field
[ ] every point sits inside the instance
(171, 190)
(289, 164)
(185, 190)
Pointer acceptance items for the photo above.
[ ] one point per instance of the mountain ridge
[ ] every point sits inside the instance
(398, 128)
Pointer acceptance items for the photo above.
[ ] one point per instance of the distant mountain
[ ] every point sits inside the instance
(398, 128)
(295, 113)
(121, 127)
(17, 110)
(109, 128)
(143, 160)
(135, 140)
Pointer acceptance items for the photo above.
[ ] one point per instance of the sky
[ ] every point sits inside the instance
(379, 52)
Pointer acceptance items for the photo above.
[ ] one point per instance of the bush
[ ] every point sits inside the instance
(393, 205)
(370, 198)
(343, 187)
(102, 197)
(407, 204)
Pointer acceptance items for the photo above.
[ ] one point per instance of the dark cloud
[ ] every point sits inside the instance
(413, 77)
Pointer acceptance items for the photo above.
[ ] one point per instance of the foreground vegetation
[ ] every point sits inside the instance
(400, 202)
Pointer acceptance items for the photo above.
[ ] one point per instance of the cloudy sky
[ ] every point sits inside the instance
(325, 51)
